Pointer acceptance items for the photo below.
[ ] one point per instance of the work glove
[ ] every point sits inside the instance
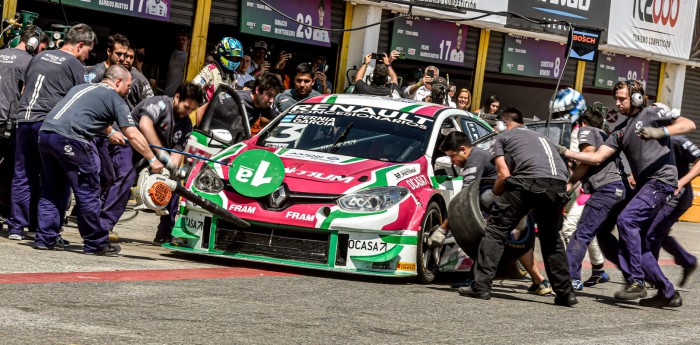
(561, 150)
(652, 133)
(437, 238)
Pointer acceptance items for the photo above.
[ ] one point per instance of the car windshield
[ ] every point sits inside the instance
(351, 130)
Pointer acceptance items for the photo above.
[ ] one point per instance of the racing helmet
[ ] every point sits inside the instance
(567, 104)
(230, 52)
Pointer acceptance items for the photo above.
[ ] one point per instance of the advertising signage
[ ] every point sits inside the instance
(657, 26)
(459, 8)
(533, 58)
(258, 19)
(583, 44)
(590, 13)
(612, 68)
(148, 9)
(432, 41)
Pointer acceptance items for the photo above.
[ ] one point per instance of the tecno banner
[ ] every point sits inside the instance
(660, 26)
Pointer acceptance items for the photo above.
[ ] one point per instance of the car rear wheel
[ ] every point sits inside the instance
(428, 258)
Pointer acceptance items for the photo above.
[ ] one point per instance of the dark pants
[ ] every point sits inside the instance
(25, 183)
(662, 224)
(546, 197)
(165, 227)
(595, 214)
(107, 174)
(117, 195)
(7, 171)
(75, 164)
(636, 243)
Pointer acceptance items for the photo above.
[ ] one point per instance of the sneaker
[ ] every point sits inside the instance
(41, 247)
(687, 273)
(566, 302)
(108, 250)
(61, 242)
(16, 237)
(467, 291)
(659, 301)
(159, 240)
(597, 277)
(467, 282)
(632, 291)
(540, 289)
(113, 236)
(577, 285)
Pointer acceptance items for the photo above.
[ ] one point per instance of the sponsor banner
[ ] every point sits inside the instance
(532, 57)
(148, 9)
(612, 68)
(432, 41)
(258, 19)
(583, 44)
(461, 8)
(663, 27)
(590, 13)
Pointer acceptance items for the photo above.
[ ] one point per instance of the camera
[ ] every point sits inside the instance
(378, 56)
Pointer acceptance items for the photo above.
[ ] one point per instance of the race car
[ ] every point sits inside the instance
(347, 183)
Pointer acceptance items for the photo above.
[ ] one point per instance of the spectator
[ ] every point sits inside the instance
(321, 83)
(421, 89)
(176, 64)
(409, 80)
(258, 63)
(491, 106)
(279, 68)
(438, 91)
(464, 99)
(302, 89)
(229, 53)
(48, 78)
(384, 79)
(242, 75)
(146, 67)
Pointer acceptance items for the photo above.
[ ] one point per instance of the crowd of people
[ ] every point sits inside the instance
(89, 130)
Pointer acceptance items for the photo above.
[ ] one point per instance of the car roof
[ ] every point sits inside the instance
(399, 104)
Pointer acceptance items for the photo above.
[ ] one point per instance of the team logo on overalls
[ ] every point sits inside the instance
(177, 135)
(638, 125)
(69, 150)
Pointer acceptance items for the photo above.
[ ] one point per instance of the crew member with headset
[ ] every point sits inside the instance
(48, 78)
(647, 146)
(13, 64)
(531, 176)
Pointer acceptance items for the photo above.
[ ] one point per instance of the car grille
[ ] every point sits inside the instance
(293, 198)
(307, 246)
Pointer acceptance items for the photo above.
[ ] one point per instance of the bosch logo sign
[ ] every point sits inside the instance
(582, 5)
(664, 12)
(585, 39)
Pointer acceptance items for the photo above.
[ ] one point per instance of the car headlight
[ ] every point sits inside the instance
(372, 199)
(208, 181)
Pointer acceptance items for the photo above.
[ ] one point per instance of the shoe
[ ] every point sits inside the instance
(687, 273)
(566, 302)
(467, 291)
(577, 285)
(659, 301)
(467, 282)
(108, 250)
(540, 289)
(16, 237)
(38, 247)
(113, 236)
(597, 277)
(159, 240)
(632, 291)
(61, 242)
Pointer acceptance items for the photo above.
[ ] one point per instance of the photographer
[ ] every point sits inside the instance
(438, 92)
(381, 85)
(321, 83)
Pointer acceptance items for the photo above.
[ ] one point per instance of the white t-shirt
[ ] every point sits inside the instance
(456, 55)
(421, 93)
(156, 8)
(321, 36)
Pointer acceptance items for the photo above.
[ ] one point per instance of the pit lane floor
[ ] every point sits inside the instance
(149, 295)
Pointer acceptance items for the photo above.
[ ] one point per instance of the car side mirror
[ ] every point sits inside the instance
(222, 136)
(445, 163)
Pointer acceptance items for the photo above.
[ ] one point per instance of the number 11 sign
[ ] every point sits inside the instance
(433, 41)
(260, 20)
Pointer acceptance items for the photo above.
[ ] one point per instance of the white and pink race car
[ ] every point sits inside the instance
(338, 182)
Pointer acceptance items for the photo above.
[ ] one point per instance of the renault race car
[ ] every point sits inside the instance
(338, 182)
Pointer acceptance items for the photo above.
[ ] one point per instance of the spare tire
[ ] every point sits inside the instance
(467, 226)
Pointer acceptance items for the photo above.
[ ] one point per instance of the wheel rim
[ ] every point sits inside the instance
(430, 261)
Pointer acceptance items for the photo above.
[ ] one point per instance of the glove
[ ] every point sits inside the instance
(436, 239)
(652, 133)
(561, 149)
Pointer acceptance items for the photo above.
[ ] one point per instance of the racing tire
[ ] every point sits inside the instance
(426, 264)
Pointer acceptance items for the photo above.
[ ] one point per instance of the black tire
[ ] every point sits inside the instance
(512, 270)
(426, 266)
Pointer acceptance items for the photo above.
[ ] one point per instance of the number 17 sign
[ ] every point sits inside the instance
(260, 20)
(434, 41)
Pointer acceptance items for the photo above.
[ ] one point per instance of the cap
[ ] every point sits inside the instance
(260, 45)
(440, 81)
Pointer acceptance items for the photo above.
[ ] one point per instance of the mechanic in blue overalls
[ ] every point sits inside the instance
(70, 158)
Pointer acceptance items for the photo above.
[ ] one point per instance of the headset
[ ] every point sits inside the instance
(636, 93)
(34, 40)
